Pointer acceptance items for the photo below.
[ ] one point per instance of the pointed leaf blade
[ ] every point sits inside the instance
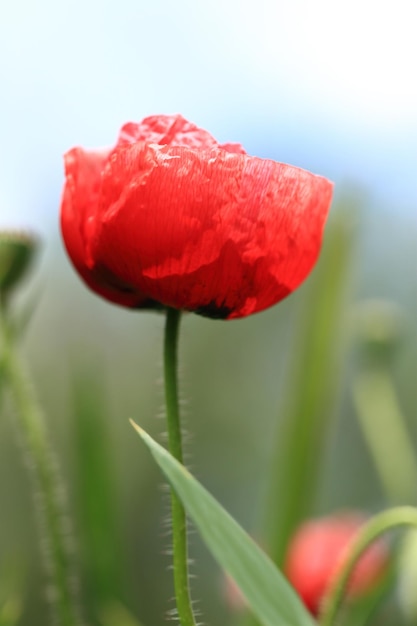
(267, 592)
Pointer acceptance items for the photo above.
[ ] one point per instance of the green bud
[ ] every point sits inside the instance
(17, 250)
(379, 326)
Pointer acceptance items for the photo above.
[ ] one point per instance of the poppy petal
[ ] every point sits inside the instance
(209, 229)
(78, 206)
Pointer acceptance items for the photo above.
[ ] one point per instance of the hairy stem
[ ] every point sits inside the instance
(48, 491)
(179, 524)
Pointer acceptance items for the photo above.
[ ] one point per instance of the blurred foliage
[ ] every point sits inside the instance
(16, 254)
(312, 384)
(10, 593)
(96, 506)
(95, 364)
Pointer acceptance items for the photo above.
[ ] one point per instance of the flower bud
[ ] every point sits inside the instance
(317, 553)
(16, 253)
(379, 326)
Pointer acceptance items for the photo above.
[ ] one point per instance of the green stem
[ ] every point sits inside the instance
(379, 524)
(179, 523)
(385, 432)
(48, 495)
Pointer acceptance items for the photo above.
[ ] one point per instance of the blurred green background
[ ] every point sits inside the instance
(319, 85)
(96, 365)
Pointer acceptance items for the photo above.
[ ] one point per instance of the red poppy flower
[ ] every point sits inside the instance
(317, 552)
(170, 217)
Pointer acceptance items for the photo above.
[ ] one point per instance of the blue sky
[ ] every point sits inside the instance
(325, 85)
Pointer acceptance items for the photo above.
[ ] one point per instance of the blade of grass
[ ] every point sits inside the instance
(384, 428)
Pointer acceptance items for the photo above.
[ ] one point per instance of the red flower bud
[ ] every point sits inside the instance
(317, 552)
(170, 217)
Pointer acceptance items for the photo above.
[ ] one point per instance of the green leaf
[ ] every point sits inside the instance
(267, 592)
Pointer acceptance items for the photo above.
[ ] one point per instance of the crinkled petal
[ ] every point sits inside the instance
(78, 213)
(171, 130)
(219, 233)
